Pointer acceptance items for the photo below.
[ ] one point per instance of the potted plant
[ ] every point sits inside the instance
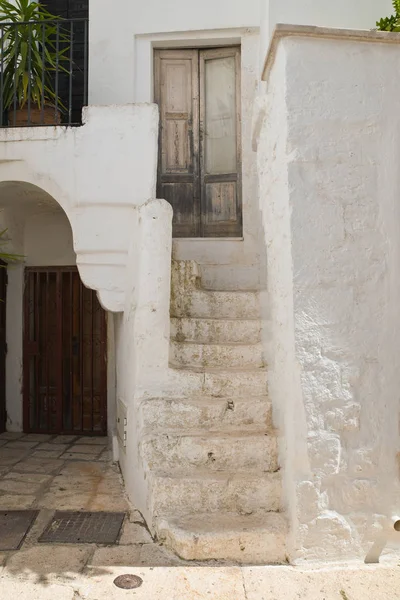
(34, 51)
(391, 23)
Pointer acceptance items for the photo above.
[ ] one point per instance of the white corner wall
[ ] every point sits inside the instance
(329, 190)
(345, 14)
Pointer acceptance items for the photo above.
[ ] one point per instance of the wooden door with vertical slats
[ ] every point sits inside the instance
(65, 362)
(199, 167)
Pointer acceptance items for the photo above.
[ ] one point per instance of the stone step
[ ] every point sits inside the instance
(214, 451)
(207, 413)
(218, 331)
(204, 491)
(188, 354)
(229, 277)
(248, 539)
(218, 305)
(220, 383)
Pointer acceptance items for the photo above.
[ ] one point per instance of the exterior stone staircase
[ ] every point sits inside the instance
(212, 455)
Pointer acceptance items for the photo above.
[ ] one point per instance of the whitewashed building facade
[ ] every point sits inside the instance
(244, 360)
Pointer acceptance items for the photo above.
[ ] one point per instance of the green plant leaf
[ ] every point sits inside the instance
(32, 53)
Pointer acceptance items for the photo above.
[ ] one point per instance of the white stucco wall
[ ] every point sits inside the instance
(113, 42)
(329, 188)
(98, 174)
(48, 240)
(185, 24)
(353, 14)
(142, 337)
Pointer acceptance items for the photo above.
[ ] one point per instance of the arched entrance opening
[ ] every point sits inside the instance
(56, 331)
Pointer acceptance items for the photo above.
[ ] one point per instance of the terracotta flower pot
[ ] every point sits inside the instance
(36, 116)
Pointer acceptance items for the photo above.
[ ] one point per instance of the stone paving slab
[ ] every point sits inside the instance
(28, 477)
(176, 583)
(116, 556)
(37, 453)
(10, 457)
(76, 456)
(10, 435)
(94, 441)
(19, 487)
(37, 437)
(9, 588)
(86, 449)
(12, 501)
(64, 439)
(48, 562)
(148, 555)
(287, 583)
(66, 500)
(88, 469)
(108, 502)
(21, 444)
(106, 456)
(134, 533)
(52, 446)
(36, 465)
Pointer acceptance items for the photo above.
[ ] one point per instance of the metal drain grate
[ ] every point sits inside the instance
(69, 527)
(14, 526)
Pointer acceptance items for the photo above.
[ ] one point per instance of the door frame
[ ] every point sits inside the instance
(25, 356)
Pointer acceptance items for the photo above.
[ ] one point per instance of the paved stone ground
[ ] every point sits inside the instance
(71, 473)
(50, 473)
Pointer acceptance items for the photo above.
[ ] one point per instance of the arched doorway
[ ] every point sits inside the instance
(56, 364)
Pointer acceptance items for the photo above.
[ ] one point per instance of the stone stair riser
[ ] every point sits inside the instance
(214, 453)
(215, 413)
(218, 331)
(213, 495)
(217, 305)
(216, 355)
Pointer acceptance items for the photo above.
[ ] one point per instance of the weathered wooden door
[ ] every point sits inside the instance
(199, 167)
(65, 364)
(3, 344)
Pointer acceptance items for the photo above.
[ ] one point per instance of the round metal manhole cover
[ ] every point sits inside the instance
(128, 582)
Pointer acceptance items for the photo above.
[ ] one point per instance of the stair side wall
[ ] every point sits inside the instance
(329, 188)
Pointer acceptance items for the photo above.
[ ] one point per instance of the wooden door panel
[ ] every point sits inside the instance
(221, 204)
(176, 91)
(220, 143)
(177, 194)
(65, 385)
